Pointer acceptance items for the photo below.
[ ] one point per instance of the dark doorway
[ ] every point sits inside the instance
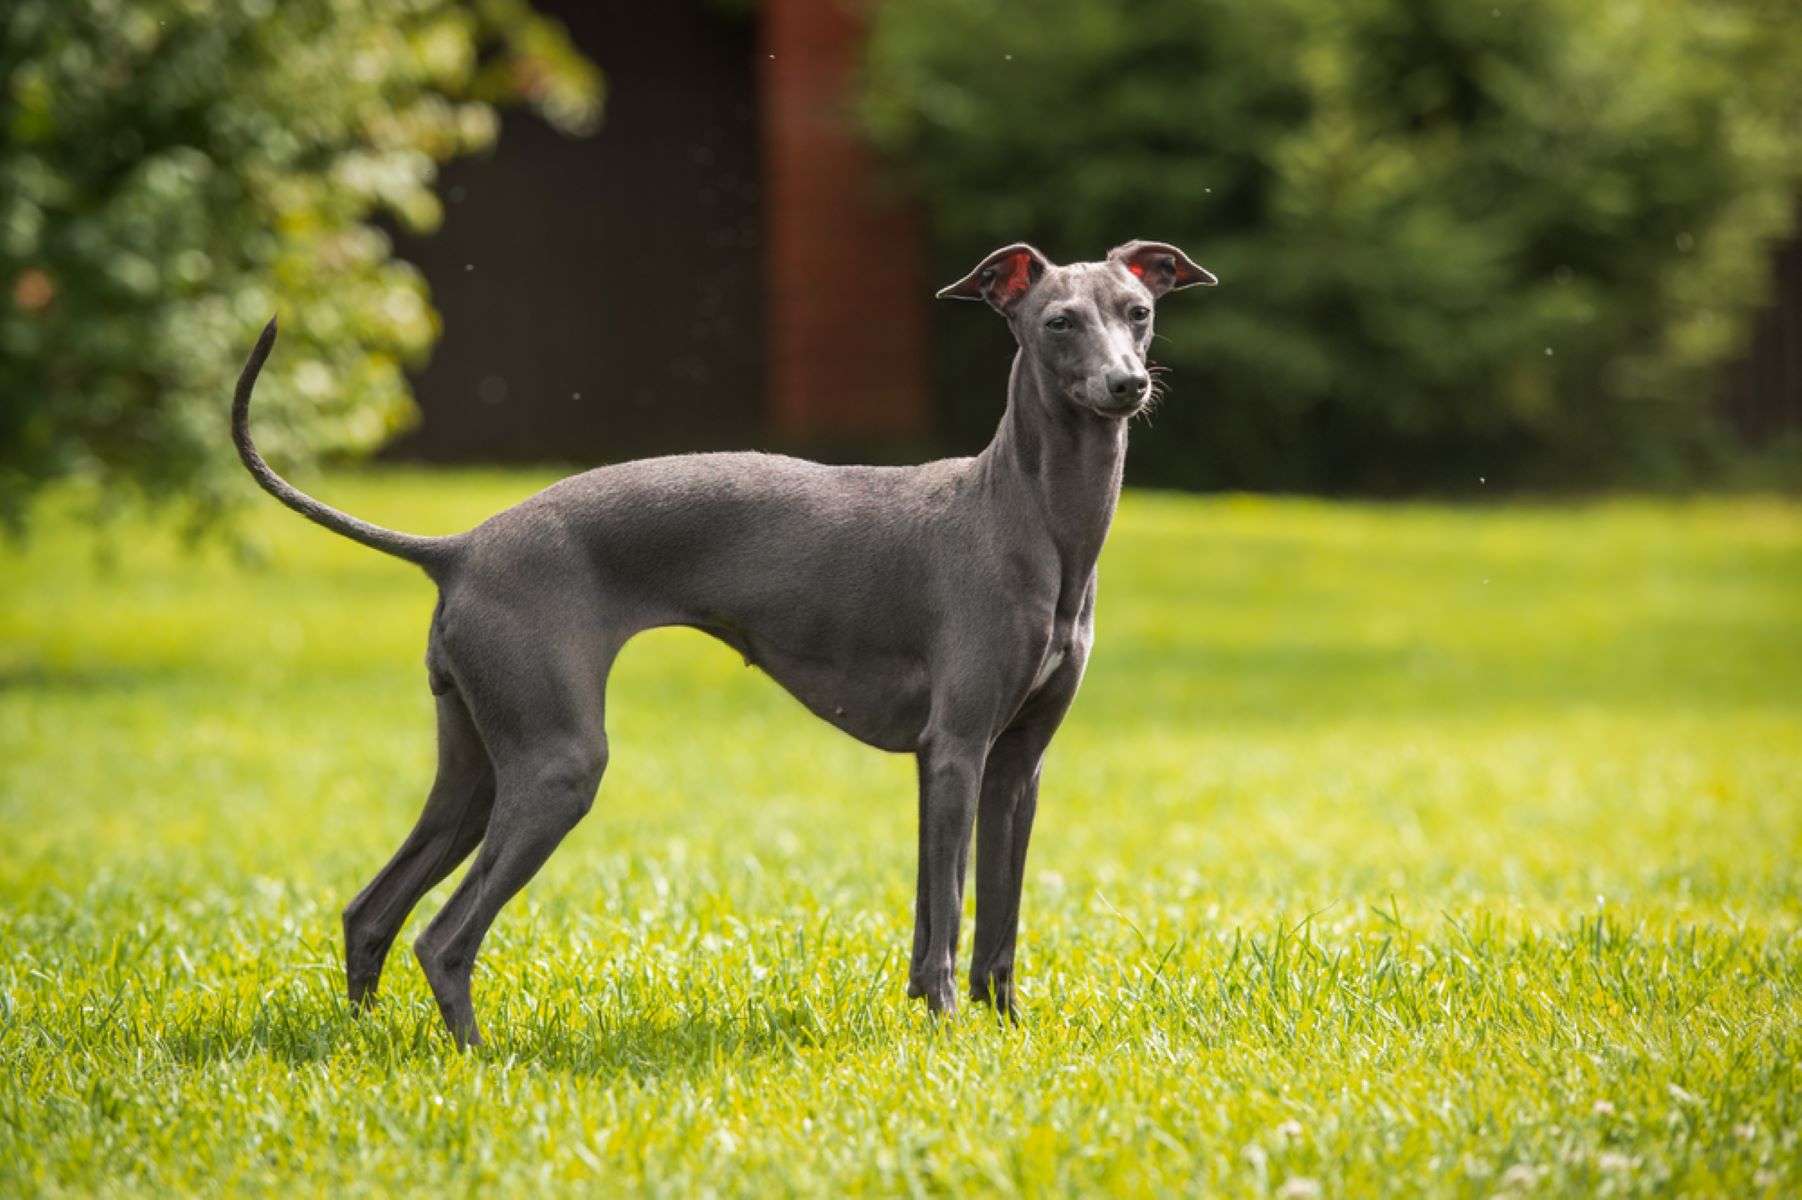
(600, 296)
(1764, 389)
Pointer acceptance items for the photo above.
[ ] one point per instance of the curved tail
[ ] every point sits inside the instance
(428, 552)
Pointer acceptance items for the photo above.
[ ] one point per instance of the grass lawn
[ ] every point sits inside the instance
(1414, 850)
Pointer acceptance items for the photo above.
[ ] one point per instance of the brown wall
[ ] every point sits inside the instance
(845, 288)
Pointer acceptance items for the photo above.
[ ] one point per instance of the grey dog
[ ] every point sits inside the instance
(945, 609)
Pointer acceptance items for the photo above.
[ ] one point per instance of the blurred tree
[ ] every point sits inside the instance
(1507, 238)
(172, 172)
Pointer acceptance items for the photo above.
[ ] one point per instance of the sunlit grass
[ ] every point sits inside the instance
(1388, 849)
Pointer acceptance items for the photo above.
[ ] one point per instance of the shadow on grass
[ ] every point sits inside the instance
(34, 675)
(297, 1029)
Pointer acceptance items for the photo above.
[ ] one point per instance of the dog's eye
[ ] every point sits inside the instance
(1140, 314)
(1058, 324)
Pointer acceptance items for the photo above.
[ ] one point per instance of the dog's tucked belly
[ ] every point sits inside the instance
(882, 700)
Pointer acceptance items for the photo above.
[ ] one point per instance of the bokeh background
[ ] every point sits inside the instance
(1466, 246)
(1438, 834)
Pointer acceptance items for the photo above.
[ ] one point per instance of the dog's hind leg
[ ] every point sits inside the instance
(546, 731)
(456, 813)
(538, 802)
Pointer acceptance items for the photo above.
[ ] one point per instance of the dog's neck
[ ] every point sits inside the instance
(1060, 466)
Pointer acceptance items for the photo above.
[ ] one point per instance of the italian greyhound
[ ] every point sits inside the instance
(945, 610)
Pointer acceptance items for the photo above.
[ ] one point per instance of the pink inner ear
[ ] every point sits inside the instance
(1012, 277)
(1136, 269)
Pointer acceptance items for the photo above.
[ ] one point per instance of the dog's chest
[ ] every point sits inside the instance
(1059, 636)
(1063, 639)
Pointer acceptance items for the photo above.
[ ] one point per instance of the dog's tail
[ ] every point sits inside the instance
(431, 553)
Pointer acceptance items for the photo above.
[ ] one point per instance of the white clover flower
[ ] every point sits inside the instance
(1521, 1175)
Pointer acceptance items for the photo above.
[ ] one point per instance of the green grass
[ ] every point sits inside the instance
(1414, 850)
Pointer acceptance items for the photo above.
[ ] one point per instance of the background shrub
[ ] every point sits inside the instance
(170, 170)
(1511, 239)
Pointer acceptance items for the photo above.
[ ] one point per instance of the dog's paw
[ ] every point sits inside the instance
(939, 990)
(995, 988)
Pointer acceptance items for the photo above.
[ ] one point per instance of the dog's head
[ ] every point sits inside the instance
(1086, 327)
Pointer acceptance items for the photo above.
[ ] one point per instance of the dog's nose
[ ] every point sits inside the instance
(1127, 385)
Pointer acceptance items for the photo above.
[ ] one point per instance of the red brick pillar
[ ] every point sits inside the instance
(844, 286)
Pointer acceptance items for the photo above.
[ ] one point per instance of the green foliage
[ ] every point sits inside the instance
(1511, 238)
(172, 172)
(1407, 849)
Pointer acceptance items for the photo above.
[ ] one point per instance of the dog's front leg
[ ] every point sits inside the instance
(950, 778)
(1010, 799)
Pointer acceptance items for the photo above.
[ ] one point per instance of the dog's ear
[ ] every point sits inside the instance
(1001, 278)
(1160, 267)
